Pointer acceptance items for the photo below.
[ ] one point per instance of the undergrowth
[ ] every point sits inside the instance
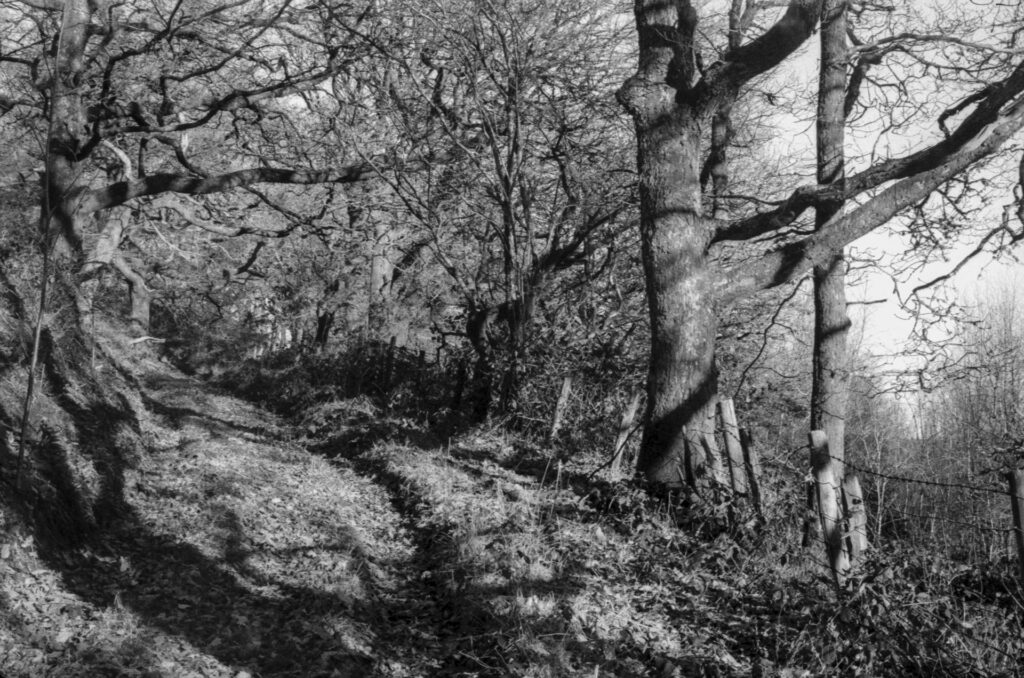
(557, 569)
(363, 537)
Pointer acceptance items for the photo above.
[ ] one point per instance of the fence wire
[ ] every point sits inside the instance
(920, 481)
(892, 509)
(886, 517)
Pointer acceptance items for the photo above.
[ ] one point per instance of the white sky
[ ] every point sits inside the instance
(886, 325)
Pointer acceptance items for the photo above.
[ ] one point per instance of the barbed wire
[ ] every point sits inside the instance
(921, 481)
(911, 480)
(952, 521)
(888, 476)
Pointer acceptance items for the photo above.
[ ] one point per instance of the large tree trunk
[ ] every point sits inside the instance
(518, 319)
(671, 100)
(377, 228)
(830, 382)
(682, 379)
(77, 426)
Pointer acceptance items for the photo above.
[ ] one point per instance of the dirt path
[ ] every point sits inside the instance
(370, 551)
(239, 553)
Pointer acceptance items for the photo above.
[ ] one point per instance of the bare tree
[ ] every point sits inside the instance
(146, 87)
(531, 150)
(672, 98)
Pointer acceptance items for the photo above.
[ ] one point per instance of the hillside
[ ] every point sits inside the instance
(526, 338)
(353, 543)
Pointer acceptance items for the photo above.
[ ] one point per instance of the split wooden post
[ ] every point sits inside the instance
(719, 476)
(625, 428)
(563, 401)
(752, 462)
(695, 461)
(828, 506)
(733, 447)
(1016, 480)
(856, 516)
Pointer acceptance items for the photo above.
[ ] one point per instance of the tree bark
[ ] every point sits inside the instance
(65, 134)
(670, 105)
(682, 378)
(717, 166)
(830, 381)
(681, 375)
(363, 217)
(80, 430)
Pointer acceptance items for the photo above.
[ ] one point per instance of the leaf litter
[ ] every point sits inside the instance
(249, 547)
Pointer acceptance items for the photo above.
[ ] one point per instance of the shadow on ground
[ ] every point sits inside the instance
(215, 601)
(175, 587)
(469, 626)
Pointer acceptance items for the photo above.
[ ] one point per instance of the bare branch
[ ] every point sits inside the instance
(738, 66)
(790, 261)
(192, 219)
(968, 135)
(1003, 228)
(155, 184)
(252, 258)
(903, 38)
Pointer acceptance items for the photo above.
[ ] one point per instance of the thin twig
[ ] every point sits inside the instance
(45, 214)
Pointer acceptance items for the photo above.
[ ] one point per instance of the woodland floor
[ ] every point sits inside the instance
(355, 544)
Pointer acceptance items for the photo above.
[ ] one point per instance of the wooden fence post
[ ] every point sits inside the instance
(828, 506)
(695, 461)
(733, 447)
(752, 463)
(1016, 480)
(856, 516)
(625, 428)
(563, 401)
(713, 457)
